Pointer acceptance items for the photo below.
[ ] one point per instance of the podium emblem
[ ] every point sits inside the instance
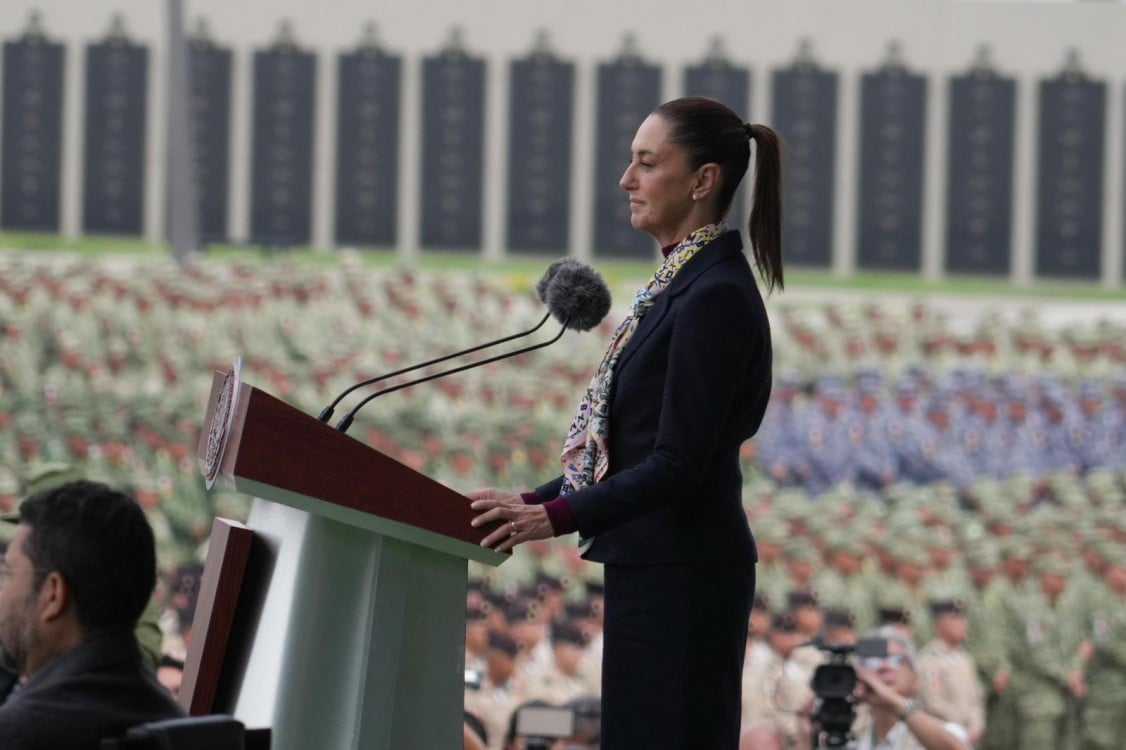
(220, 428)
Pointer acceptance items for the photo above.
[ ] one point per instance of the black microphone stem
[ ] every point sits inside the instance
(326, 414)
(346, 421)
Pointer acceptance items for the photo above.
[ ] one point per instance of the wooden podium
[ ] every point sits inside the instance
(350, 630)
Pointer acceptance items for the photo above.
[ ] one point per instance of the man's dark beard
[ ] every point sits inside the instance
(8, 662)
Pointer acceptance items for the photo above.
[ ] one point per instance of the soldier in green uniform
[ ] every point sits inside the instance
(1104, 721)
(985, 615)
(842, 584)
(1044, 648)
(771, 576)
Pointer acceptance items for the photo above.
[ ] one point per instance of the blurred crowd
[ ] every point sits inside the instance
(903, 460)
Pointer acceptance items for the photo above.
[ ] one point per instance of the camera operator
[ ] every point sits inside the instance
(887, 685)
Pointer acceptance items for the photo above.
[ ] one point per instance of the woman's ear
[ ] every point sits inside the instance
(707, 180)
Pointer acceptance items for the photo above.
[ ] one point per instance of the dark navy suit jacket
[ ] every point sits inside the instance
(691, 385)
(97, 690)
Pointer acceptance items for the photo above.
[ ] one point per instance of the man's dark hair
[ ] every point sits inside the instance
(99, 541)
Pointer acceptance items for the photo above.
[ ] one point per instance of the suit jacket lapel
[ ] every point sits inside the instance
(717, 251)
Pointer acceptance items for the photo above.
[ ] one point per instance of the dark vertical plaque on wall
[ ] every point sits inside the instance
(282, 154)
(113, 184)
(804, 112)
(210, 79)
(539, 154)
(1069, 197)
(719, 79)
(367, 147)
(892, 127)
(979, 187)
(628, 90)
(453, 145)
(31, 117)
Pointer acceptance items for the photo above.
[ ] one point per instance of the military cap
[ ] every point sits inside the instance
(802, 598)
(906, 386)
(567, 632)
(547, 582)
(1015, 547)
(769, 529)
(494, 601)
(893, 615)
(939, 607)
(9, 522)
(801, 550)
(1114, 555)
(1051, 563)
(792, 503)
(910, 553)
(1090, 390)
(503, 642)
(843, 542)
(983, 554)
(521, 610)
(475, 613)
(784, 622)
(44, 477)
(891, 607)
(578, 610)
(49, 475)
(836, 617)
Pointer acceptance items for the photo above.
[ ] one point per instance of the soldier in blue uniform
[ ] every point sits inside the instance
(1096, 447)
(782, 435)
(874, 456)
(828, 448)
(1018, 446)
(1059, 432)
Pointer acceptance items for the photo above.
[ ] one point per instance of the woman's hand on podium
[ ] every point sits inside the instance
(523, 523)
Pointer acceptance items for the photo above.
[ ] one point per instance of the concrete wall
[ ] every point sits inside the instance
(1028, 40)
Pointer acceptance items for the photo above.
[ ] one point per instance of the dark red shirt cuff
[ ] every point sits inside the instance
(558, 512)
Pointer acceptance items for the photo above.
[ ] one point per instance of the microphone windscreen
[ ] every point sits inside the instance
(549, 274)
(578, 296)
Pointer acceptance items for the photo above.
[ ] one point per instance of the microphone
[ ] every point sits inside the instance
(541, 293)
(575, 294)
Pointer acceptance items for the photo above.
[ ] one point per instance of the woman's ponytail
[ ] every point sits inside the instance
(765, 227)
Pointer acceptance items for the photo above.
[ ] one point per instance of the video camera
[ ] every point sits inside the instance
(834, 686)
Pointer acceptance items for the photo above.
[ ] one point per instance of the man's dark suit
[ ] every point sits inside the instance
(91, 692)
(691, 385)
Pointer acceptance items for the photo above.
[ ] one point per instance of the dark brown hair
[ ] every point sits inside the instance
(710, 132)
(99, 541)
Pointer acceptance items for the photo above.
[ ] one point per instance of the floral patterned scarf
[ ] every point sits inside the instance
(586, 455)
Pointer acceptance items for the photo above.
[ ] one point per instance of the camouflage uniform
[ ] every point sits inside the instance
(1104, 721)
(1043, 642)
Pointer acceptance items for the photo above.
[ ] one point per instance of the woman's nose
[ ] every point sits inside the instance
(627, 178)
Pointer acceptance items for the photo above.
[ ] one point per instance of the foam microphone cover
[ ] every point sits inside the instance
(577, 295)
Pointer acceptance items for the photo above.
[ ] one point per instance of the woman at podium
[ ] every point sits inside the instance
(650, 467)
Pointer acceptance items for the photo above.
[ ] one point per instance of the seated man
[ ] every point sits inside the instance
(73, 583)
